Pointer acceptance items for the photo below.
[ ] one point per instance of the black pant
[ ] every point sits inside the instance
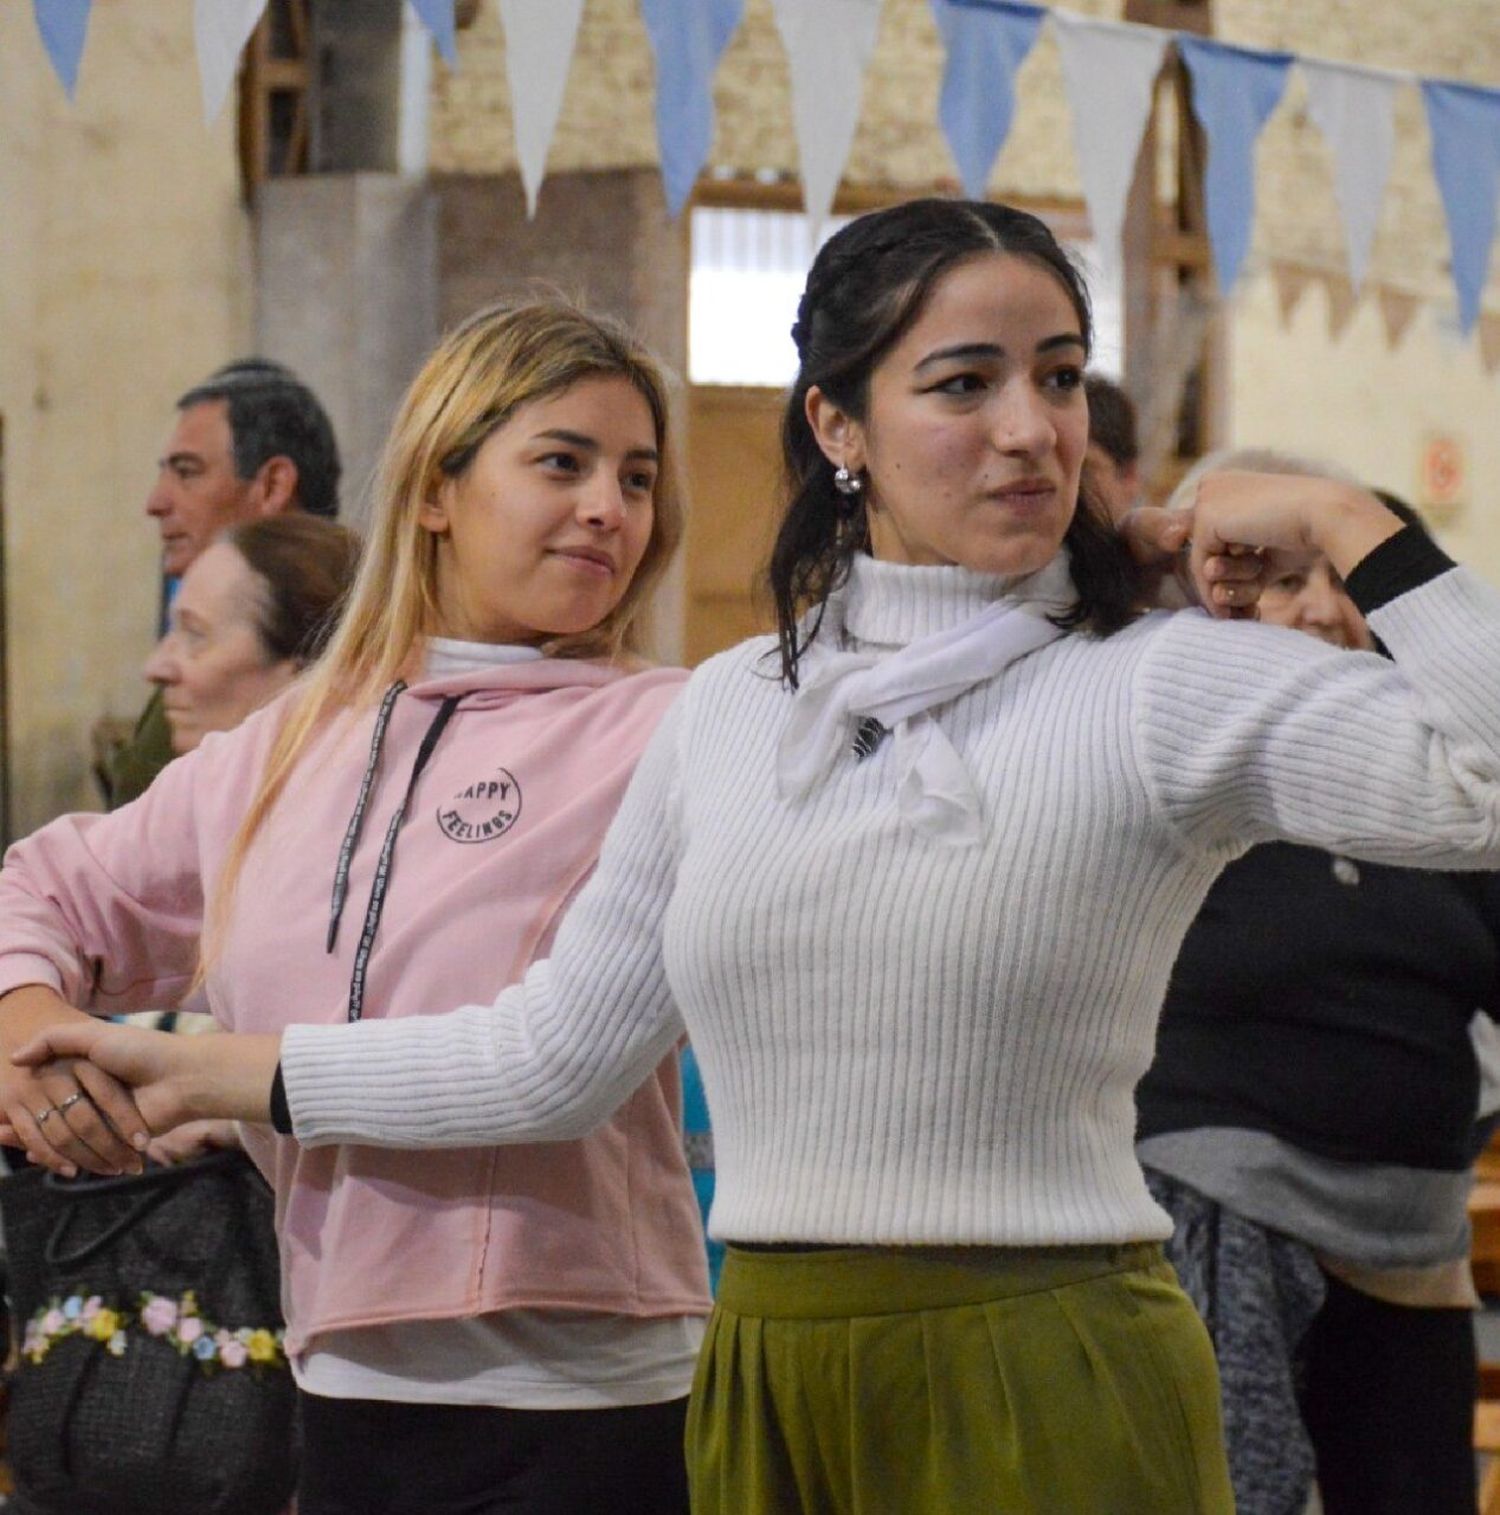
(368, 1457)
(1388, 1400)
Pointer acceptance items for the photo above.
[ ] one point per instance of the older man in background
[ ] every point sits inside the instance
(250, 441)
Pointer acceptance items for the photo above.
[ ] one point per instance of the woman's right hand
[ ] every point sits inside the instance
(1286, 520)
(66, 1113)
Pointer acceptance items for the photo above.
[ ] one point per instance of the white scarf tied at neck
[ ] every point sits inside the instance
(935, 794)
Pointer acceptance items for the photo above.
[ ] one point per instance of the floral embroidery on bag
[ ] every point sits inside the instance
(175, 1321)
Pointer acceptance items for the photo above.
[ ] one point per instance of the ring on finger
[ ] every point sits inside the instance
(41, 1115)
(70, 1101)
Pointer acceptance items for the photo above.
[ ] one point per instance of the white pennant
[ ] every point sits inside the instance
(221, 29)
(1355, 109)
(539, 39)
(1110, 70)
(828, 45)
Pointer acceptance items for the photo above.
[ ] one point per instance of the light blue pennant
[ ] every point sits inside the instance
(987, 42)
(1465, 125)
(63, 24)
(688, 38)
(1235, 89)
(437, 17)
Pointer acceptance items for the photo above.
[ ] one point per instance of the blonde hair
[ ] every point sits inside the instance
(481, 373)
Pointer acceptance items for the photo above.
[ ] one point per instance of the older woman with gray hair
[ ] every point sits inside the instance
(1309, 1124)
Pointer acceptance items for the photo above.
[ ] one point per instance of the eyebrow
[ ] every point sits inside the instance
(588, 444)
(993, 350)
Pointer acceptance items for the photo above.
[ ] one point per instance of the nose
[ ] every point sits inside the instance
(161, 666)
(603, 503)
(1023, 421)
(159, 501)
(1320, 602)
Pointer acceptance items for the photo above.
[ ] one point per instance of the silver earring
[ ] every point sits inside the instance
(847, 483)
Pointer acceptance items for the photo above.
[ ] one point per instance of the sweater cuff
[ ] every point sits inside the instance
(281, 1110)
(1401, 563)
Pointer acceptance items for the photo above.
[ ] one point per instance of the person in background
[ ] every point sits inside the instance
(250, 441)
(486, 1329)
(881, 892)
(253, 610)
(1112, 462)
(1309, 1123)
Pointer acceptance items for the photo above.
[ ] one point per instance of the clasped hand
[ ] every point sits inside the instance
(1244, 530)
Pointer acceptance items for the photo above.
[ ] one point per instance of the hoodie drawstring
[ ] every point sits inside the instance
(357, 820)
(383, 867)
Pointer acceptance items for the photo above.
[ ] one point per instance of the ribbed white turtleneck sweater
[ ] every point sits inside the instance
(904, 1041)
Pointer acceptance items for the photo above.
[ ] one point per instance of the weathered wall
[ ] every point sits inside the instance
(123, 278)
(347, 296)
(1353, 399)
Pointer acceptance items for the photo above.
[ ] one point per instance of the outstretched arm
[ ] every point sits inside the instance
(555, 1054)
(103, 913)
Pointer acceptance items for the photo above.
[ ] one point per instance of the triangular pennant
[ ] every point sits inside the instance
(222, 28)
(1489, 342)
(986, 41)
(540, 36)
(1235, 89)
(828, 46)
(437, 17)
(1465, 124)
(688, 38)
(1355, 110)
(1397, 308)
(1111, 70)
(64, 25)
(1343, 301)
(1291, 281)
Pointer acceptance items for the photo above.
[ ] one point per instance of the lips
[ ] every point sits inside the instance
(1025, 494)
(587, 559)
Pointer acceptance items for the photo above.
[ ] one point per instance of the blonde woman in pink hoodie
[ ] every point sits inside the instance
(481, 1328)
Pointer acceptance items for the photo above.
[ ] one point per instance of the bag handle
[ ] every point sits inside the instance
(153, 1186)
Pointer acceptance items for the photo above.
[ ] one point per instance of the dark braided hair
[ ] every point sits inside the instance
(866, 287)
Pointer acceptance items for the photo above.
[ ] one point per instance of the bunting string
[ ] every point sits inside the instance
(1109, 70)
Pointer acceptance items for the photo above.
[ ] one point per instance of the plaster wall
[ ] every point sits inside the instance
(123, 278)
(1353, 398)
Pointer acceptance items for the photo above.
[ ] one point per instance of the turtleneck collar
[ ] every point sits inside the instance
(891, 604)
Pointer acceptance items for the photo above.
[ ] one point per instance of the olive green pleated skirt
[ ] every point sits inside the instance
(859, 1381)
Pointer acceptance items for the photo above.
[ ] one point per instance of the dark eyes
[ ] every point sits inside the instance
(639, 481)
(1060, 380)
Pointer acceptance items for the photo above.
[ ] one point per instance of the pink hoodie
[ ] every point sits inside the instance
(504, 825)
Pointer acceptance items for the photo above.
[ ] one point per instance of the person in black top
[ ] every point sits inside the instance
(1309, 1124)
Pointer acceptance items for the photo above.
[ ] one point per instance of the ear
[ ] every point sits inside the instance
(840, 436)
(276, 486)
(432, 513)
